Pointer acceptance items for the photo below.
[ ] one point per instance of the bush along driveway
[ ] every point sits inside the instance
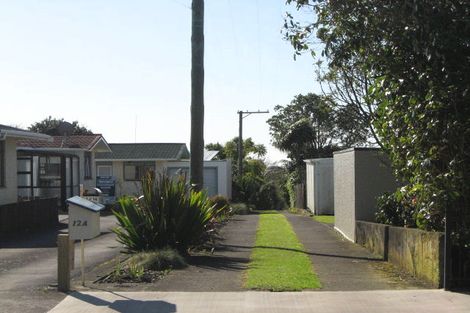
(279, 261)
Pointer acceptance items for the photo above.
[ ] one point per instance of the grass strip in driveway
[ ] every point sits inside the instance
(325, 219)
(278, 261)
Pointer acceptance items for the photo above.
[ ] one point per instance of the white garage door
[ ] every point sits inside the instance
(210, 177)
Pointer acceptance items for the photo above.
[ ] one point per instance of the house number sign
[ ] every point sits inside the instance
(79, 223)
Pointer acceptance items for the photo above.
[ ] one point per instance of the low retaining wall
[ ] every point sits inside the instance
(28, 215)
(418, 252)
(374, 237)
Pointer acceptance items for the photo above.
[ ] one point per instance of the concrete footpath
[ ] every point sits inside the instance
(342, 265)
(396, 301)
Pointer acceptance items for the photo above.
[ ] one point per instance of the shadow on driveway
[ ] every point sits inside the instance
(232, 247)
(127, 304)
(45, 238)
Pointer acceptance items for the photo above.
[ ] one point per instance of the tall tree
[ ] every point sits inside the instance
(415, 53)
(51, 126)
(347, 83)
(230, 150)
(311, 126)
(197, 95)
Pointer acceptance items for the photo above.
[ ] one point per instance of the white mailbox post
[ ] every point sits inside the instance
(84, 223)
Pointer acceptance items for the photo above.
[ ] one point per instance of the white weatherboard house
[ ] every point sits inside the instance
(319, 186)
(9, 136)
(128, 162)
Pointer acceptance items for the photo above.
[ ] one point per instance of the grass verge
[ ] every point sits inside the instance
(326, 219)
(278, 261)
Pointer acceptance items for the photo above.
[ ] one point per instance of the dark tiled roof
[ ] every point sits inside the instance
(74, 141)
(145, 151)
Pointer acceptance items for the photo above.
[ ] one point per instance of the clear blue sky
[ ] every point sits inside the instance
(111, 63)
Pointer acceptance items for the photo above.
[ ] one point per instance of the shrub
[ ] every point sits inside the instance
(168, 214)
(396, 209)
(219, 201)
(158, 260)
(246, 188)
(269, 198)
(240, 208)
(222, 204)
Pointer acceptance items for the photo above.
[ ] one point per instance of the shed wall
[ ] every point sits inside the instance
(373, 177)
(360, 176)
(344, 191)
(319, 186)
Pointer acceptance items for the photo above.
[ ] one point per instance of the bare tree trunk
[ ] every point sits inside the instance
(197, 95)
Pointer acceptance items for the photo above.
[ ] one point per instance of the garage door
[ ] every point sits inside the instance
(210, 177)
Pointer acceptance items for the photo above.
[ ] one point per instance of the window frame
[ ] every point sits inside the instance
(137, 164)
(87, 166)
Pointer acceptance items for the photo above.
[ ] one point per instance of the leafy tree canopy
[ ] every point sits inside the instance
(416, 55)
(51, 126)
(311, 126)
(230, 149)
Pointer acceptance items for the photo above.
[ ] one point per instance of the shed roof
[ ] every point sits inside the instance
(145, 151)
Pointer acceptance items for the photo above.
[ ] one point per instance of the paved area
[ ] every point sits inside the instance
(28, 266)
(222, 270)
(341, 264)
(397, 301)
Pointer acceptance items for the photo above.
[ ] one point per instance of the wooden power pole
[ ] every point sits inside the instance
(241, 116)
(197, 95)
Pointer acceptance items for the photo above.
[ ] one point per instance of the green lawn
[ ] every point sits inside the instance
(327, 219)
(278, 261)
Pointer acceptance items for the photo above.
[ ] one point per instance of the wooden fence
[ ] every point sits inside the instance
(28, 215)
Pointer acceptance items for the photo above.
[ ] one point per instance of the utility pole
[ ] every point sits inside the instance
(197, 95)
(241, 116)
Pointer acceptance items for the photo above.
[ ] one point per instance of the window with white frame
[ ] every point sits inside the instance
(104, 170)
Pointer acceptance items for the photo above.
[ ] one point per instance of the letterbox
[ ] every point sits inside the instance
(84, 218)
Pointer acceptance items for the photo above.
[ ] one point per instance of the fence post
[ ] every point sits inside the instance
(65, 252)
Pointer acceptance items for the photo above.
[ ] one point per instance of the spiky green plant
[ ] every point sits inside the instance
(168, 214)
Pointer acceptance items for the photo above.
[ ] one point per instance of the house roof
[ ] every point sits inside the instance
(9, 131)
(85, 142)
(145, 151)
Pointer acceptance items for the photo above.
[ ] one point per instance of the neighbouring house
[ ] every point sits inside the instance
(319, 186)
(9, 137)
(128, 162)
(17, 215)
(360, 176)
(58, 167)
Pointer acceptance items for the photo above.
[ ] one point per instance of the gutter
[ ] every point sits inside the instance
(24, 135)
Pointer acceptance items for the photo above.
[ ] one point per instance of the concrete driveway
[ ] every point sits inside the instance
(28, 266)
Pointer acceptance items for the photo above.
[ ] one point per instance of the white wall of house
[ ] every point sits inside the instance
(128, 187)
(222, 169)
(360, 176)
(9, 193)
(319, 186)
